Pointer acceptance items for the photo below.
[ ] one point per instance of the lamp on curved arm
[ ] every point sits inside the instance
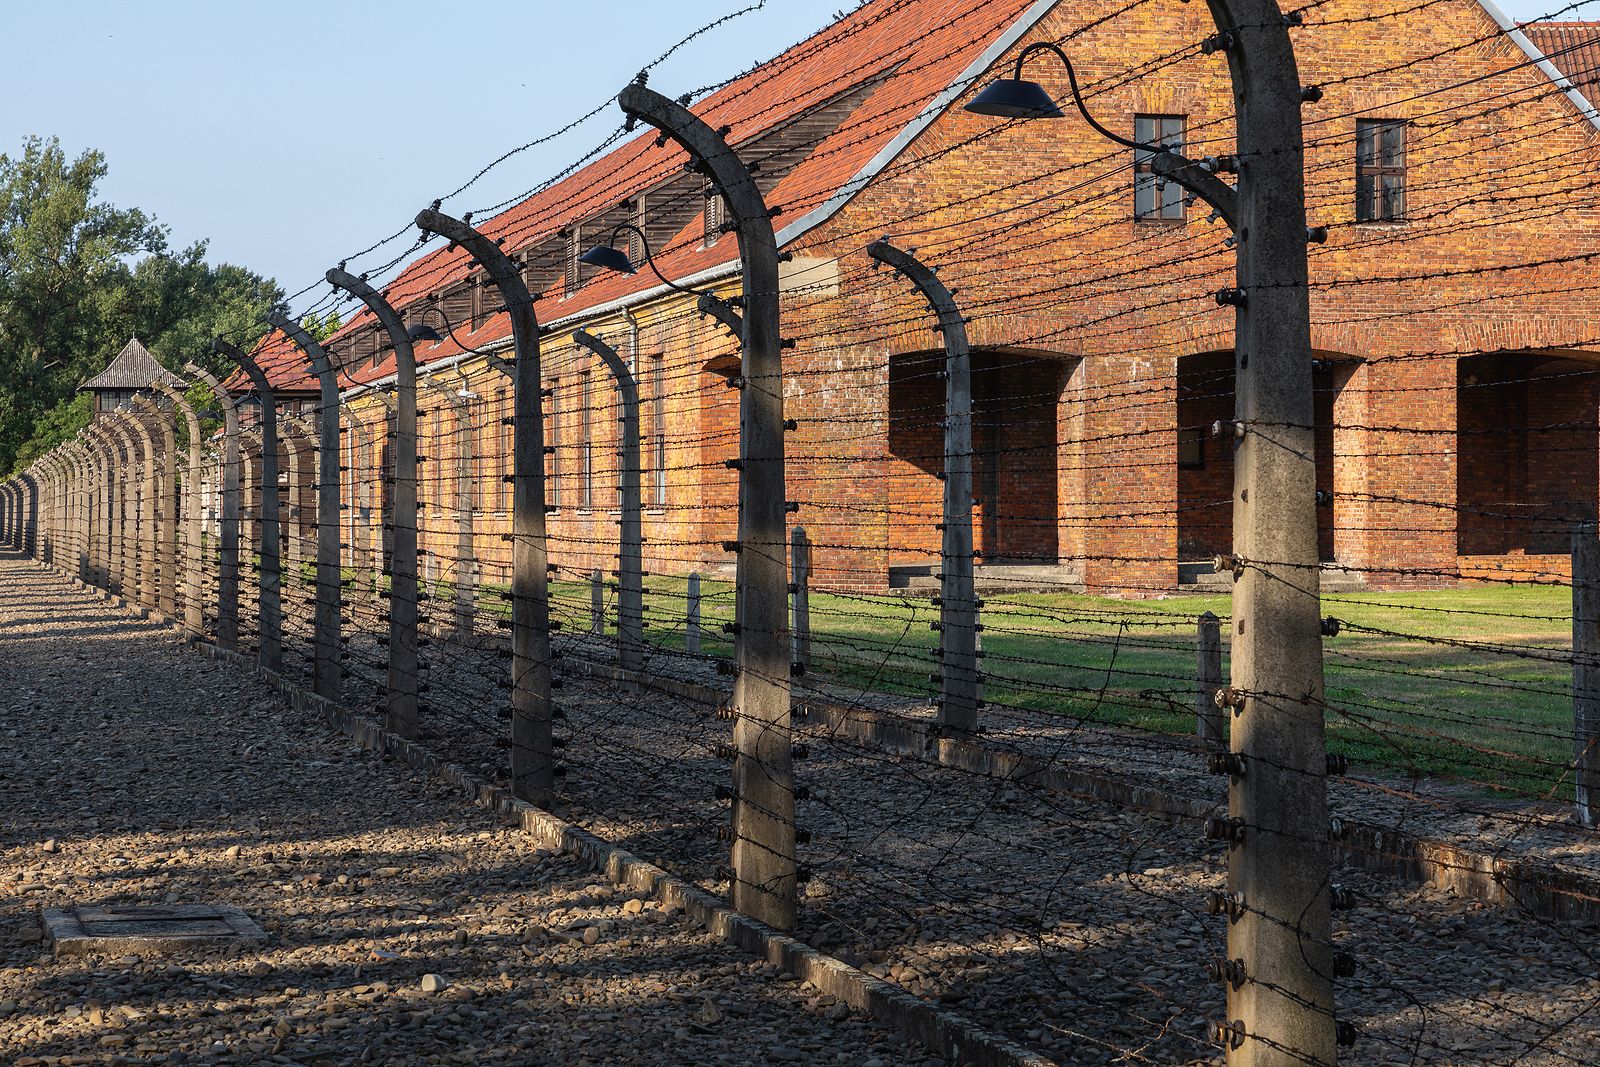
(610, 257)
(1017, 98)
(420, 331)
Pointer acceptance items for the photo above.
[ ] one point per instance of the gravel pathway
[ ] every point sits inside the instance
(1074, 927)
(133, 770)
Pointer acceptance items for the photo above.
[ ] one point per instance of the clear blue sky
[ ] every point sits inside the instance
(292, 133)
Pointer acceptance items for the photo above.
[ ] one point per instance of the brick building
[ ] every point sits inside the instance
(1454, 168)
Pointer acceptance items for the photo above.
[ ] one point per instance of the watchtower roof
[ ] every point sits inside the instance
(134, 368)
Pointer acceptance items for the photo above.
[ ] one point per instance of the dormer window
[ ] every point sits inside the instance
(571, 275)
(714, 213)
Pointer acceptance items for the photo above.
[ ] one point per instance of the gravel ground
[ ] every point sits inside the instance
(133, 770)
(1074, 927)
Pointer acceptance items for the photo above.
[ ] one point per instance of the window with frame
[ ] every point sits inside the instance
(658, 429)
(1191, 448)
(1155, 199)
(1380, 170)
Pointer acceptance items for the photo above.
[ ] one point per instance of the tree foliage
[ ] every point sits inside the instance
(79, 276)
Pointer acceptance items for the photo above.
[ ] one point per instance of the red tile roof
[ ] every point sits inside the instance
(927, 43)
(1574, 49)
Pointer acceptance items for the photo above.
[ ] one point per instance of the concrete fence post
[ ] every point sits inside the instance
(327, 672)
(269, 573)
(800, 589)
(1281, 1010)
(465, 605)
(957, 601)
(764, 867)
(147, 489)
(630, 529)
(228, 536)
(164, 433)
(597, 602)
(1209, 724)
(1586, 673)
(533, 769)
(192, 500)
(401, 710)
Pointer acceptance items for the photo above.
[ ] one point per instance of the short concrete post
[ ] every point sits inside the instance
(228, 538)
(958, 601)
(800, 591)
(1586, 673)
(597, 603)
(327, 677)
(1208, 681)
(691, 623)
(630, 519)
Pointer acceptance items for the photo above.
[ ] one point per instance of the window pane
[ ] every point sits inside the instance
(1171, 200)
(1144, 195)
(1394, 196)
(1144, 128)
(1172, 132)
(1364, 198)
(1366, 143)
(1394, 144)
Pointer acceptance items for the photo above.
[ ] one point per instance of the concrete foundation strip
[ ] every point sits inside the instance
(948, 1034)
(1526, 885)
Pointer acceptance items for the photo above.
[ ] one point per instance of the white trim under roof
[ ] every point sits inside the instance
(1562, 82)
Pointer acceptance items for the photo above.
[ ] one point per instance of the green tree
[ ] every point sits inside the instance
(61, 423)
(59, 248)
(78, 277)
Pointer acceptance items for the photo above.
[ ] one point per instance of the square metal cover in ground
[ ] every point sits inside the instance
(120, 929)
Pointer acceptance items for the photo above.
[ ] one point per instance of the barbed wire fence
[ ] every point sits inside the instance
(637, 572)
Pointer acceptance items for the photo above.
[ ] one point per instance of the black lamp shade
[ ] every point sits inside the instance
(423, 332)
(1012, 98)
(609, 258)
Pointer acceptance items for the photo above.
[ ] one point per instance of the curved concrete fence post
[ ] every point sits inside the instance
(228, 535)
(190, 496)
(764, 879)
(630, 533)
(164, 434)
(269, 569)
(532, 744)
(327, 673)
(958, 600)
(146, 543)
(401, 711)
(122, 533)
(465, 572)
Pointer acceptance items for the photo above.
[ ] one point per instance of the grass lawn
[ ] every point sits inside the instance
(1469, 683)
